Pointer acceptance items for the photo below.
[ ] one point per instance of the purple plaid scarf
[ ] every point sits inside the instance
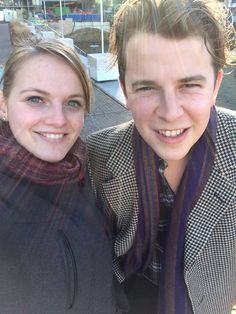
(173, 298)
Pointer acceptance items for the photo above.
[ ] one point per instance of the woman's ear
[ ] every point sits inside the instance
(3, 107)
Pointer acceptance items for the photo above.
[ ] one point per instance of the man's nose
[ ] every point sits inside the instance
(170, 107)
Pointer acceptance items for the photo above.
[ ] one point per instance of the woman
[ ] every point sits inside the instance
(55, 256)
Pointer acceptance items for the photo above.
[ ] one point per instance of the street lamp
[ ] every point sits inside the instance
(101, 25)
(62, 26)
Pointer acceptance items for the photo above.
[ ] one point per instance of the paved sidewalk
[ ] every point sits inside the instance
(5, 43)
(105, 112)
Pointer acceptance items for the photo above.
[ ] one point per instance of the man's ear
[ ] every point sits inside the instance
(3, 107)
(122, 85)
(218, 81)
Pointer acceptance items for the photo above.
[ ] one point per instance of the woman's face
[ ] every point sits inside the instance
(46, 106)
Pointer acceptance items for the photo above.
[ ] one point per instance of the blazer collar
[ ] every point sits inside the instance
(121, 159)
(217, 197)
(120, 187)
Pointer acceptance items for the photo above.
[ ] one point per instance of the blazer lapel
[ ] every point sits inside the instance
(120, 183)
(120, 171)
(215, 200)
(121, 192)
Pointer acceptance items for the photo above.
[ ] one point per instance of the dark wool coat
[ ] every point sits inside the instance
(210, 240)
(55, 255)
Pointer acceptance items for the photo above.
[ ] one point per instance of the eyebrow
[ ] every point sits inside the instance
(77, 95)
(143, 82)
(40, 91)
(193, 78)
(182, 80)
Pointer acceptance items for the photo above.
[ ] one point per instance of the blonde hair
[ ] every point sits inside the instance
(175, 19)
(32, 47)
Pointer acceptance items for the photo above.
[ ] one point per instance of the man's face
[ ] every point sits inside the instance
(170, 88)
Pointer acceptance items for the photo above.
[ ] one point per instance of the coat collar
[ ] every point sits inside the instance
(217, 197)
(122, 192)
(120, 172)
(121, 158)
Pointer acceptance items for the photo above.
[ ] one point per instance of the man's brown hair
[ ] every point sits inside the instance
(175, 19)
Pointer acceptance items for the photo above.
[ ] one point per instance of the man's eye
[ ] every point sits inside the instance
(144, 88)
(191, 85)
(35, 99)
(74, 104)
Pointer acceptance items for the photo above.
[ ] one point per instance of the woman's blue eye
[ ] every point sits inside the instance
(34, 99)
(74, 104)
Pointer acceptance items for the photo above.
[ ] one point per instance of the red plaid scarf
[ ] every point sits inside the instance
(25, 165)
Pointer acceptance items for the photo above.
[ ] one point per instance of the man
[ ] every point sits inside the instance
(167, 179)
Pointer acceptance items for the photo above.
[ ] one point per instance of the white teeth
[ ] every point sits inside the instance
(171, 133)
(53, 136)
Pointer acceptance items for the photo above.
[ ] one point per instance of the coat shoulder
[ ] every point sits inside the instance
(226, 131)
(226, 138)
(102, 143)
(226, 122)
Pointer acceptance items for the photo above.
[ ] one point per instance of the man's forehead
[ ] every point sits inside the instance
(146, 38)
(153, 48)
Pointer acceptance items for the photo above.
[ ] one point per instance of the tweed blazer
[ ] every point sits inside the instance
(210, 240)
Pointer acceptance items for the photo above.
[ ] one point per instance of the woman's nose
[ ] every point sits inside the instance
(56, 115)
